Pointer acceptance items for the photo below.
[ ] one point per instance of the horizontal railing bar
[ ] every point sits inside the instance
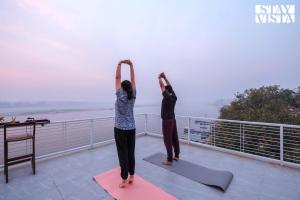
(225, 139)
(246, 136)
(291, 142)
(285, 138)
(260, 138)
(268, 150)
(238, 146)
(247, 126)
(287, 149)
(235, 121)
(87, 119)
(222, 134)
(249, 130)
(291, 158)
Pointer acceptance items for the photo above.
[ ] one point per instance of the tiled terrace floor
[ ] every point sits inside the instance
(70, 177)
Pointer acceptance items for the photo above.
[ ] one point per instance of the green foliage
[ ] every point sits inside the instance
(266, 104)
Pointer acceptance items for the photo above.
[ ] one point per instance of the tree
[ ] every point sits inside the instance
(266, 104)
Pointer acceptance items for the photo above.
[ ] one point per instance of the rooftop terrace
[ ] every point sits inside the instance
(68, 175)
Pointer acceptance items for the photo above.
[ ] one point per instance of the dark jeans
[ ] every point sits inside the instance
(171, 138)
(125, 141)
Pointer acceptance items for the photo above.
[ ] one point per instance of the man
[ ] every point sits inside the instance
(169, 127)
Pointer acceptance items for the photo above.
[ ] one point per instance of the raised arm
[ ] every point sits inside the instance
(132, 77)
(165, 78)
(161, 83)
(118, 76)
(166, 86)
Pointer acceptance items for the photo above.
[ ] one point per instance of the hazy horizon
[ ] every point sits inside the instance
(210, 50)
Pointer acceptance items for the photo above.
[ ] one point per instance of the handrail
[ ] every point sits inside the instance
(87, 119)
(237, 121)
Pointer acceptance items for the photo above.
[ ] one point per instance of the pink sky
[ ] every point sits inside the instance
(67, 50)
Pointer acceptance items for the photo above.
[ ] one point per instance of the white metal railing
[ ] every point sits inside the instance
(65, 136)
(278, 143)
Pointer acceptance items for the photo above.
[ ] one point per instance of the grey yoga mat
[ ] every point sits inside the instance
(210, 177)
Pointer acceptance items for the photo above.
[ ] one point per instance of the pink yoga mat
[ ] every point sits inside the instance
(140, 189)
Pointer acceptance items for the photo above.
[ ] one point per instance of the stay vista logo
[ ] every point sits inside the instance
(279, 14)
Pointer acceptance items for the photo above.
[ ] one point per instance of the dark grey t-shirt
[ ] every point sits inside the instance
(124, 116)
(168, 105)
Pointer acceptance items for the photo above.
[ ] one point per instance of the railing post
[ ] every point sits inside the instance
(146, 124)
(240, 137)
(65, 134)
(189, 130)
(243, 140)
(27, 140)
(281, 143)
(214, 131)
(92, 134)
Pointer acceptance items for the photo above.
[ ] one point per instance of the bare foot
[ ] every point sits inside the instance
(130, 179)
(166, 162)
(123, 184)
(176, 158)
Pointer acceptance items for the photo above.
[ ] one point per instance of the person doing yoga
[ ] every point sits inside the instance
(124, 130)
(169, 127)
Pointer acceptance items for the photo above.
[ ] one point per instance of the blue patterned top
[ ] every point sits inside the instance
(124, 117)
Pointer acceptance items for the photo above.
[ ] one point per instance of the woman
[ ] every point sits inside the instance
(124, 130)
